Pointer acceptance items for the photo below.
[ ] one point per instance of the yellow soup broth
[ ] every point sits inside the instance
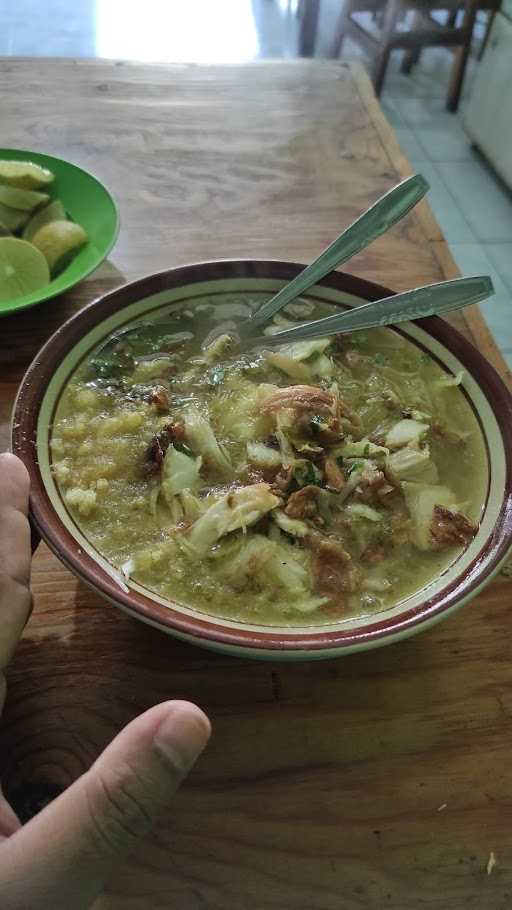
(293, 485)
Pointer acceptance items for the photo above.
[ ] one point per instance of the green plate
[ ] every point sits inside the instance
(88, 203)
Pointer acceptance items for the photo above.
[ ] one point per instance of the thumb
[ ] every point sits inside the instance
(63, 857)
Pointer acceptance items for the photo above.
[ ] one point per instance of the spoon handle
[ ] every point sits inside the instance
(389, 209)
(434, 299)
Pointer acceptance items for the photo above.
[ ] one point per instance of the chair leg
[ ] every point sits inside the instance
(451, 21)
(308, 27)
(391, 15)
(412, 56)
(490, 19)
(461, 56)
(341, 30)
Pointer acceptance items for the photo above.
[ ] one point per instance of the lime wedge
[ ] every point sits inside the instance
(27, 200)
(25, 174)
(59, 241)
(13, 219)
(53, 212)
(23, 269)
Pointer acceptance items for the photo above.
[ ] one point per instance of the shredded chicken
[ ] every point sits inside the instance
(449, 436)
(450, 529)
(346, 415)
(334, 478)
(304, 504)
(399, 522)
(385, 490)
(300, 398)
(177, 431)
(155, 454)
(378, 438)
(391, 400)
(327, 430)
(354, 359)
(283, 480)
(371, 482)
(309, 450)
(373, 553)
(160, 398)
(333, 570)
(372, 476)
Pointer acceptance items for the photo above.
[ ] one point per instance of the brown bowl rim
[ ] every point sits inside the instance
(212, 630)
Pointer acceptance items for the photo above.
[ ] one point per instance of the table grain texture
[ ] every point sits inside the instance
(381, 780)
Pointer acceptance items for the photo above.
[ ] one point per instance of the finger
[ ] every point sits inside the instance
(9, 821)
(15, 598)
(14, 482)
(63, 857)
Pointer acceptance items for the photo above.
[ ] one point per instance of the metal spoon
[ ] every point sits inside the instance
(382, 215)
(433, 299)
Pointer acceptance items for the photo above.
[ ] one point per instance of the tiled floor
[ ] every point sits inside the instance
(473, 208)
(471, 204)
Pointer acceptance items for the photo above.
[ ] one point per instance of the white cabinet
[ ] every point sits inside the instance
(488, 119)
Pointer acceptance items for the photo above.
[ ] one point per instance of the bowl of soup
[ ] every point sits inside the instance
(294, 501)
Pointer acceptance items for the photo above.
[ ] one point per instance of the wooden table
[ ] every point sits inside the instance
(379, 780)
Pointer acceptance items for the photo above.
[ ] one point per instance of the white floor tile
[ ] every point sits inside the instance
(472, 259)
(393, 115)
(500, 255)
(410, 145)
(425, 113)
(445, 144)
(451, 220)
(418, 84)
(485, 203)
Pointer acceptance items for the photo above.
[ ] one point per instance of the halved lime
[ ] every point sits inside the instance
(53, 212)
(23, 269)
(59, 241)
(27, 200)
(13, 219)
(84, 198)
(25, 174)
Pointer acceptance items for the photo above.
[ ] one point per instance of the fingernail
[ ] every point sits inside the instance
(182, 735)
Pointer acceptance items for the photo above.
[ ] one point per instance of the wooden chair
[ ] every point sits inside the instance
(425, 31)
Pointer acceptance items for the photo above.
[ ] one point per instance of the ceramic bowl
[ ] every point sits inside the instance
(88, 203)
(48, 374)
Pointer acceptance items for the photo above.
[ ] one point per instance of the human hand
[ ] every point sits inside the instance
(63, 856)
